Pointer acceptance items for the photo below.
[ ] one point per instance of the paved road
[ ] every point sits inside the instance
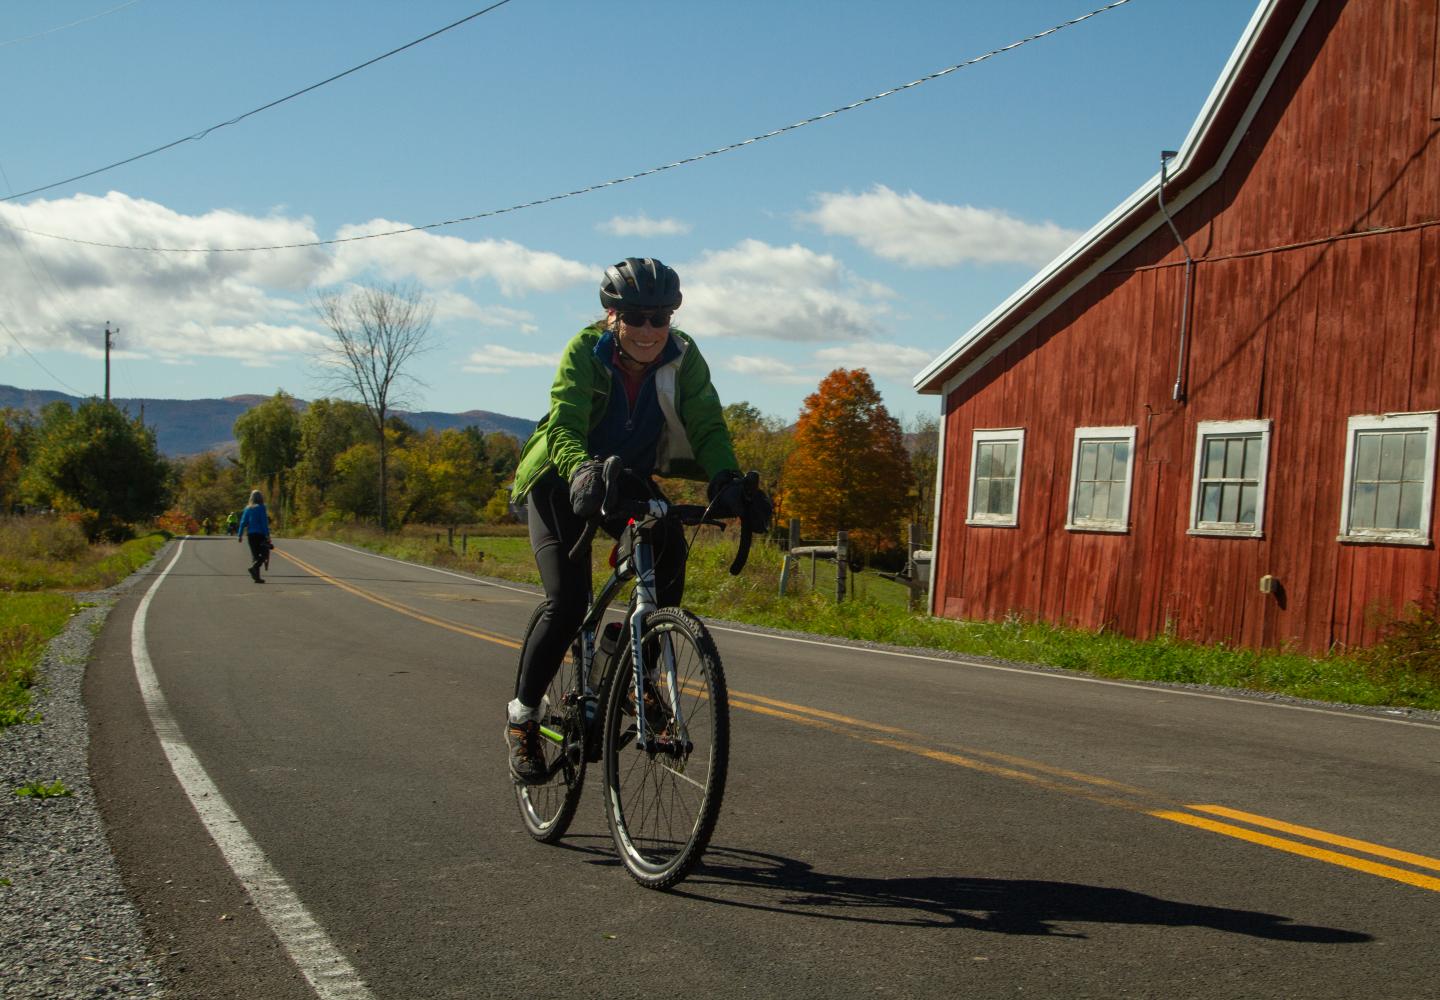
(895, 825)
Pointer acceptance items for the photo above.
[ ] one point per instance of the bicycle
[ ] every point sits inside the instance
(665, 764)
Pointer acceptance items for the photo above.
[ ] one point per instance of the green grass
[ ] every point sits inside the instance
(27, 623)
(40, 558)
(1391, 674)
(48, 553)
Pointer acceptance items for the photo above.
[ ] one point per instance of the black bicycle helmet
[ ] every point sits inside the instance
(640, 283)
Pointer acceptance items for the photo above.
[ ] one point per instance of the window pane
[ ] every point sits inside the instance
(1248, 496)
(1210, 504)
(982, 495)
(1367, 457)
(1410, 497)
(1362, 506)
(1252, 458)
(1104, 467)
(982, 461)
(1230, 502)
(1007, 496)
(1010, 453)
(1415, 457)
(1387, 505)
(1122, 459)
(1088, 455)
(1392, 457)
(1214, 459)
(1084, 501)
(1105, 499)
(1234, 458)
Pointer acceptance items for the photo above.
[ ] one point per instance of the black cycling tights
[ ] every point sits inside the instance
(554, 529)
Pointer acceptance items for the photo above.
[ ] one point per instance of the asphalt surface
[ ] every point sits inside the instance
(894, 825)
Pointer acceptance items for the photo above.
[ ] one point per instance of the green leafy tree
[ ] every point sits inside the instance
(444, 477)
(923, 442)
(208, 487)
(849, 468)
(269, 436)
(17, 440)
(328, 428)
(762, 443)
(98, 462)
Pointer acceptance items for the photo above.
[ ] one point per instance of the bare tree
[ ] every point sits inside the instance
(378, 330)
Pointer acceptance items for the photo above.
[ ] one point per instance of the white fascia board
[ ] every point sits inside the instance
(922, 382)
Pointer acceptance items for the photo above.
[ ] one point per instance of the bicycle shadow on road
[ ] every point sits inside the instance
(1003, 906)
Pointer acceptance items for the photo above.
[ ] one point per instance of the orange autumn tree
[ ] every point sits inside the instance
(849, 468)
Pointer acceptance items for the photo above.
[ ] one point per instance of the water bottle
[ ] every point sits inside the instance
(604, 653)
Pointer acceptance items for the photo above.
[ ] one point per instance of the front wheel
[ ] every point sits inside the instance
(665, 771)
(547, 808)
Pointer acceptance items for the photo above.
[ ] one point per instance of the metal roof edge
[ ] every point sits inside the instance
(936, 378)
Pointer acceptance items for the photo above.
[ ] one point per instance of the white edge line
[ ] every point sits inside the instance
(1154, 689)
(327, 971)
(1049, 675)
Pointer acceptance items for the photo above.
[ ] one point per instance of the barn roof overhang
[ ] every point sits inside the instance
(1200, 161)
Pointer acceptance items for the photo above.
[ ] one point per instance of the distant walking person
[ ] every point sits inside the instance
(256, 521)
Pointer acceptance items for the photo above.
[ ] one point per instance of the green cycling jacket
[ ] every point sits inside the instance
(694, 444)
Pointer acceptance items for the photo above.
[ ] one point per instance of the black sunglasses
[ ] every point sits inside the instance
(659, 318)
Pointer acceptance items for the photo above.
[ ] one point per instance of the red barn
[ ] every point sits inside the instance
(1215, 414)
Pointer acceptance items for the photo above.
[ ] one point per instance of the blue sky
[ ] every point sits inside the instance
(872, 239)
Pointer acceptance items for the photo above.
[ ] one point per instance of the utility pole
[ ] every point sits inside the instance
(108, 335)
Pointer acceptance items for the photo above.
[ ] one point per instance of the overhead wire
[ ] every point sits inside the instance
(602, 184)
(72, 24)
(265, 107)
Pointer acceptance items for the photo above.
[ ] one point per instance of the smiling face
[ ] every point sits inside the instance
(643, 342)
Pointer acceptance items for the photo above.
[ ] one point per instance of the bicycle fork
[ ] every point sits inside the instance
(645, 603)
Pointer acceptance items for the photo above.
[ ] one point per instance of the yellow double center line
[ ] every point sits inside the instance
(1036, 773)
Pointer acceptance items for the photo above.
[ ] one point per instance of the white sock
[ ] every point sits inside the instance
(522, 713)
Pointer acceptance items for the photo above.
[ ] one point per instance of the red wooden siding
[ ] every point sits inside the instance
(1305, 336)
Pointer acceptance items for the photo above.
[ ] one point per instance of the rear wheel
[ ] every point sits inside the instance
(547, 809)
(662, 798)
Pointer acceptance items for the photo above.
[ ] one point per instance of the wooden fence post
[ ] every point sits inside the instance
(842, 559)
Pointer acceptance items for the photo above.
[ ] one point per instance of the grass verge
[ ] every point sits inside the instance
(1389, 675)
(40, 558)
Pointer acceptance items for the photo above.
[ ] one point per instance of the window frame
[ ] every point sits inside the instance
(1104, 435)
(1423, 420)
(981, 436)
(1206, 429)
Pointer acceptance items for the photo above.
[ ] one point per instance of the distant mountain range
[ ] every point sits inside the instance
(193, 426)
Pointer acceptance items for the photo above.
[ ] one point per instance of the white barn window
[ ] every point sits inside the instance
(1101, 473)
(1389, 478)
(1228, 497)
(995, 462)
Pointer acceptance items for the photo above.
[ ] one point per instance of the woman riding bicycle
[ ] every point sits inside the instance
(633, 386)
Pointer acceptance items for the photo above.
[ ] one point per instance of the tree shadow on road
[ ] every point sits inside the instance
(1004, 906)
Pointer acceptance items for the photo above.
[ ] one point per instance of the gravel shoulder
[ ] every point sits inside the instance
(67, 927)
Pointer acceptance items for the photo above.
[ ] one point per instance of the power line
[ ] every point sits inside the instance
(72, 24)
(266, 107)
(603, 184)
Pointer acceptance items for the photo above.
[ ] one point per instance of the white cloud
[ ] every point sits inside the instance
(643, 225)
(884, 360)
(911, 230)
(496, 359)
(254, 307)
(782, 293)
(443, 260)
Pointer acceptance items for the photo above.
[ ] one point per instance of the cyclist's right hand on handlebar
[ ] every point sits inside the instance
(587, 488)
